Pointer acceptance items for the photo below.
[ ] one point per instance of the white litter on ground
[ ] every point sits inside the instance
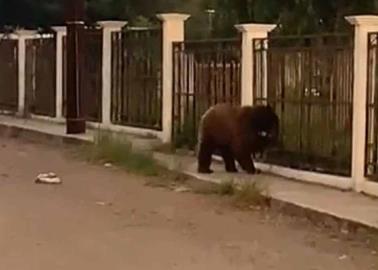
(48, 178)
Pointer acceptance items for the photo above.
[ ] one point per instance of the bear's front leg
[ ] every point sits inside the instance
(246, 162)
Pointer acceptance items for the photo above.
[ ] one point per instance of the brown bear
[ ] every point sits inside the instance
(237, 133)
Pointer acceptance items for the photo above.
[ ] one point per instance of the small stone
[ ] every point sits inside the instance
(182, 189)
(343, 257)
(373, 252)
(101, 203)
(108, 165)
(255, 207)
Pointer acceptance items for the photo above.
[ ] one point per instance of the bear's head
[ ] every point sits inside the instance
(265, 122)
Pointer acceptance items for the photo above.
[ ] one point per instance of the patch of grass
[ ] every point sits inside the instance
(227, 188)
(167, 179)
(250, 194)
(203, 188)
(166, 148)
(116, 149)
(187, 135)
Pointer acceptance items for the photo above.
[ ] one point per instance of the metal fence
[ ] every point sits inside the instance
(92, 73)
(206, 72)
(40, 76)
(136, 77)
(8, 74)
(309, 82)
(371, 159)
(91, 78)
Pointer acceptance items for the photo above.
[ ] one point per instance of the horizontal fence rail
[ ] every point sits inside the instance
(8, 75)
(371, 159)
(137, 77)
(309, 82)
(206, 72)
(40, 75)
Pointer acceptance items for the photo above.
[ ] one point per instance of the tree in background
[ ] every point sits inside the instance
(294, 16)
(30, 13)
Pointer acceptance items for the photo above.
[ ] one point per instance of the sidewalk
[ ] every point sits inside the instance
(346, 207)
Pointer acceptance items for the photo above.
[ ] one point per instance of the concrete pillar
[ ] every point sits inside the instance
(173, 31)
(22, 35)
(250, 32)
(108, 27)
(362, 25)
(61, 32)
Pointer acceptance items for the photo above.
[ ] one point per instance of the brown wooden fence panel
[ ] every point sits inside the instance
(309, 81)
(8, 75)
(206, 72)
(136, 77)
(371, 159)
(41, 76)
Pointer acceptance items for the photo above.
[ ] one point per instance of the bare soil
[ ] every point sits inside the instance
(105, 218)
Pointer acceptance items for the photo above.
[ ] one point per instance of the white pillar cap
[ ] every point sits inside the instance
(59, 29)
(255, 28)
(173, 17)
(363, 20)
(26, 33)
(112, 24)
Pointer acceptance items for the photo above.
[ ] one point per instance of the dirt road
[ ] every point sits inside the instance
(107, 219)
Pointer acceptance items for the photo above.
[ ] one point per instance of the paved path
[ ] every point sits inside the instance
(139, 227)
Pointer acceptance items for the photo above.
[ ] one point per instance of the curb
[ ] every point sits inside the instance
(39, 136)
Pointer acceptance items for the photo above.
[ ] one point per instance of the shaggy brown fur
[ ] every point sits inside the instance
(237, 133)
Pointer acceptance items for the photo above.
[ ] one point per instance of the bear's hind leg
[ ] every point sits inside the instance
(228, 159)
(204, 157)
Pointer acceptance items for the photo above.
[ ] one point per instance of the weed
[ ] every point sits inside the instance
(227, 188)
(250, 194)
(116, 149)
(166, 179)
(166, 148)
